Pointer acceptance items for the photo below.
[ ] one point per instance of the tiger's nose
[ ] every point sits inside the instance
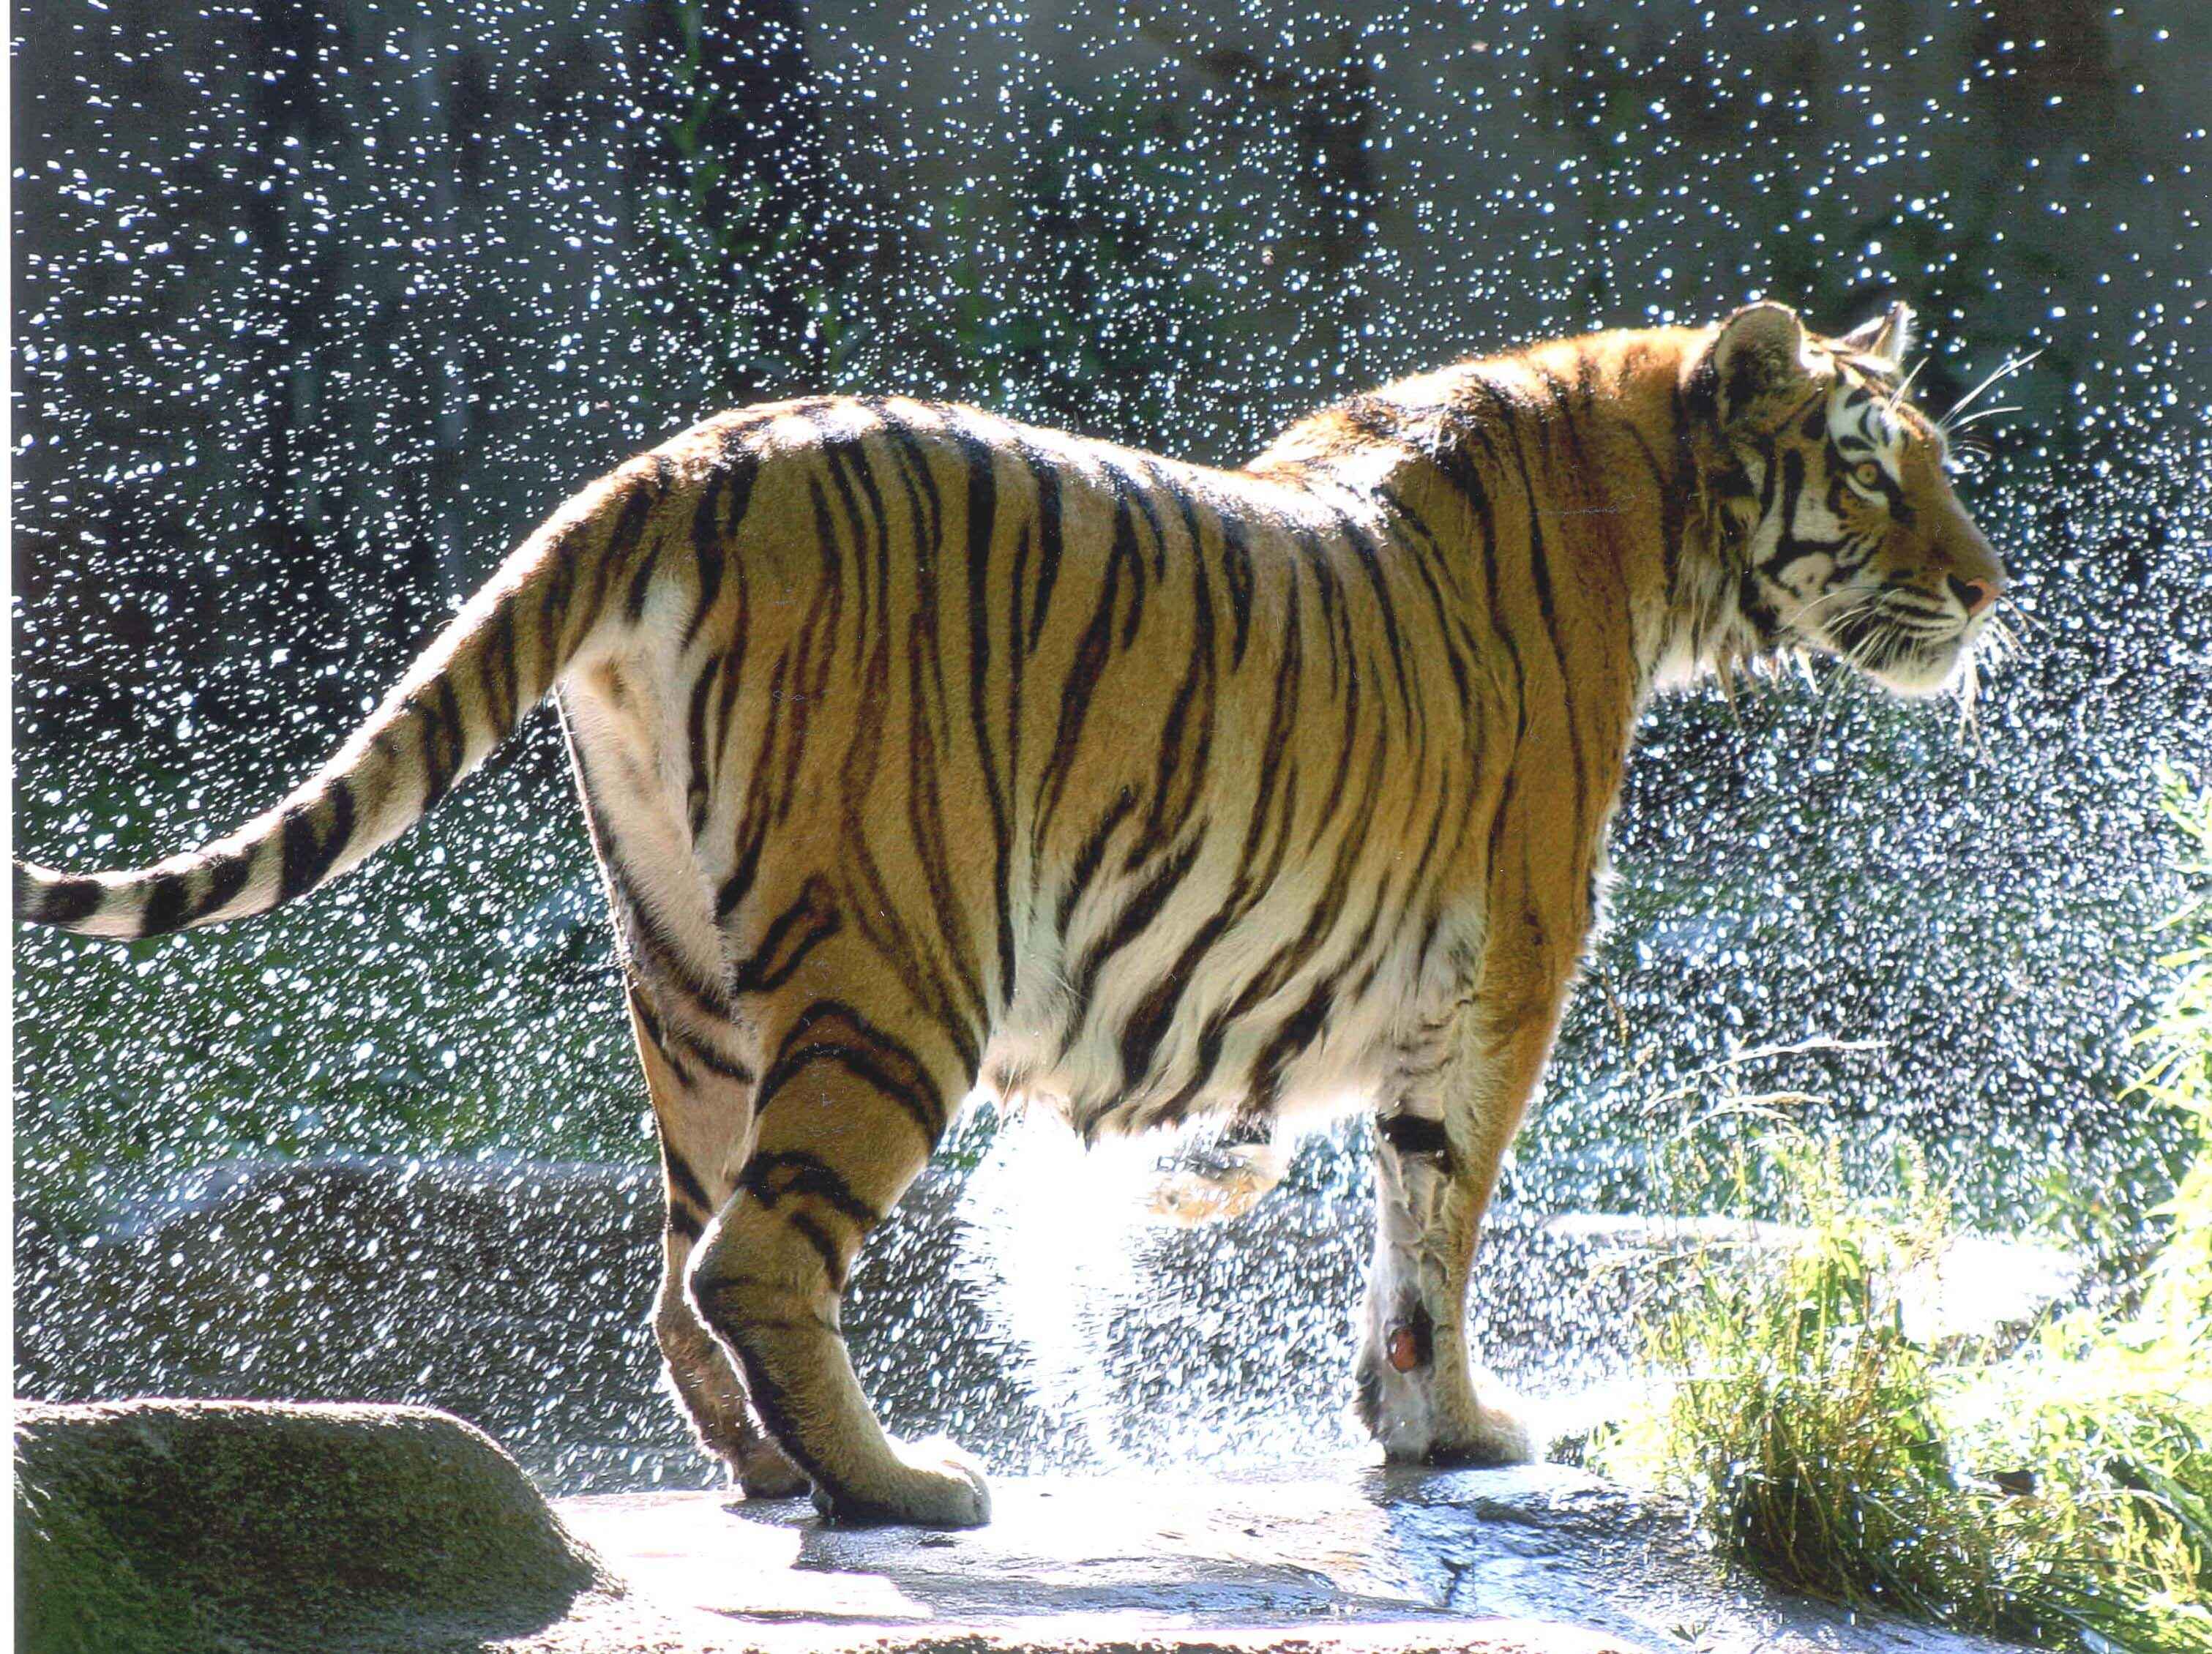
(1974, 595)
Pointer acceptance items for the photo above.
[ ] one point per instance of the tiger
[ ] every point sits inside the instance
(926, 756)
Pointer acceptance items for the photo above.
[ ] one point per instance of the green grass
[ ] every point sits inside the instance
(2058, 1492)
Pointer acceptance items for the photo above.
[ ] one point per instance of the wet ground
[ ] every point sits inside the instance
(1338, 1554)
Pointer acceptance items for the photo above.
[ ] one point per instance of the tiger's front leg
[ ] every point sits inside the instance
(1417, 1386)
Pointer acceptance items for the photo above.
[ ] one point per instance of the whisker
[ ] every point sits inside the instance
(2011, 606)
(1851, 662)
(1970, 723)
(1905, 385)
(2009, 367)
(1980, 414)
(1862, 593)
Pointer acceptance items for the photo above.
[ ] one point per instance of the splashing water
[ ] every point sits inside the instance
(320, 305)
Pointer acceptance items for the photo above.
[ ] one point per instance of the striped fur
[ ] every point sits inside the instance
(922, 751)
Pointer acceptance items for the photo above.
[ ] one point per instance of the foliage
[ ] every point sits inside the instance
(2061, 1494)
(2179, 1077)
(272, 1053)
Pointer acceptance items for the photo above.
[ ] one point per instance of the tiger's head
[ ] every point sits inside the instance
(1826, 496)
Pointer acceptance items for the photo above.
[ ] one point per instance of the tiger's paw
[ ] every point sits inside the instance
(1226, 1185)
(931, 1484)
(764, 1471)
(1431, 1414)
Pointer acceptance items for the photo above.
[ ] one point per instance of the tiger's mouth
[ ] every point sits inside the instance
(1908, 650)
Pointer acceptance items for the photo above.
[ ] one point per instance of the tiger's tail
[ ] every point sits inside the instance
(547, 605)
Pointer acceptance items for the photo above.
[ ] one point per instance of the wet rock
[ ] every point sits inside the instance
(182, 1526)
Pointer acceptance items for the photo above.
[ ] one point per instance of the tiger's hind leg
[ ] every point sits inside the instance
(696, 1129)
(708, 1386)
(849, 1105)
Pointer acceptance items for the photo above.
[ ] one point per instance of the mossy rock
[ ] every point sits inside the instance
(180, 1526)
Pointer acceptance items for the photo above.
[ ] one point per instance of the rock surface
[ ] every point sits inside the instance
(183, 1526)
(1340, 1555)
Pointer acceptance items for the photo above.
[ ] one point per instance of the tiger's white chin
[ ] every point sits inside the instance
(1917, 674)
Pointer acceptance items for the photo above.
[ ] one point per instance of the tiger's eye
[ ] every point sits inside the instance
(1867, 474)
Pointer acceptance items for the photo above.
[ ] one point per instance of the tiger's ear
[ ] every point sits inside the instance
(1888, 335)
(1758, 361)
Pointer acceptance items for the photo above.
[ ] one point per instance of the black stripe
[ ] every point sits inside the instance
(1299, 1030)
(1289, 960)
(1455, 656)
(1410, 1134)
(766, 1395)
(496, 666)
(628, 529)
(1276, 784)
(740, 881)
(1080, 689)
(917, 1092)
(1540, 573)
(711, 1059)
(1457, 467)
(826, 1249)
(646, 1020)
(982, 529)
(164, 905)
(1135, 920)
(1196, 690)
(1046, 476)
(639, 923)
(682, 1180)
(770, 965)
(1128, 485)
(309, 853)
(226, 874)
(927, 726)
(1371, 564)
(1090, 858)
(733, 482)
(1237, 569)
(774, 1175)
(699, 787)
(435, 712)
